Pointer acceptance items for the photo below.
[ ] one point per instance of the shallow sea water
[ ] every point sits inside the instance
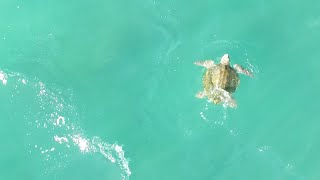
(106, 90)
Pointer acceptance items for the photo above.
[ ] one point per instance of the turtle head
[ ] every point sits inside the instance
(225, 59)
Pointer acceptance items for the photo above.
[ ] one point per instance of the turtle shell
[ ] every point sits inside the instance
(220, 77)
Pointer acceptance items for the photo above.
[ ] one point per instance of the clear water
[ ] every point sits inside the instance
(105, 90)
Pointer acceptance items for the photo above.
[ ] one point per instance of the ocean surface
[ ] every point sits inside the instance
(105, 90)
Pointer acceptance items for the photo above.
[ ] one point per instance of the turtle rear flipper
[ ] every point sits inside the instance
(242, 70)
(226, 98)
(231, 103)
(207, 63)
(201, 95)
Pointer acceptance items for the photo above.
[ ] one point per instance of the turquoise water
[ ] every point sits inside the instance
(105, 90)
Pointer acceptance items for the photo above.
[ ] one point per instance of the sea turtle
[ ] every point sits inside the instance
(221, 80)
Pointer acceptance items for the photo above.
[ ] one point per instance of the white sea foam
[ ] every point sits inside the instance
(53, 129)
(3, 77)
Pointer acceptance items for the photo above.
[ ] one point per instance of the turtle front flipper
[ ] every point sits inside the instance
(201, 95)
(207, 63)
(242, 70)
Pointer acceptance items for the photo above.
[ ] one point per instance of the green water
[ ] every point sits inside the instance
(105, 90)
